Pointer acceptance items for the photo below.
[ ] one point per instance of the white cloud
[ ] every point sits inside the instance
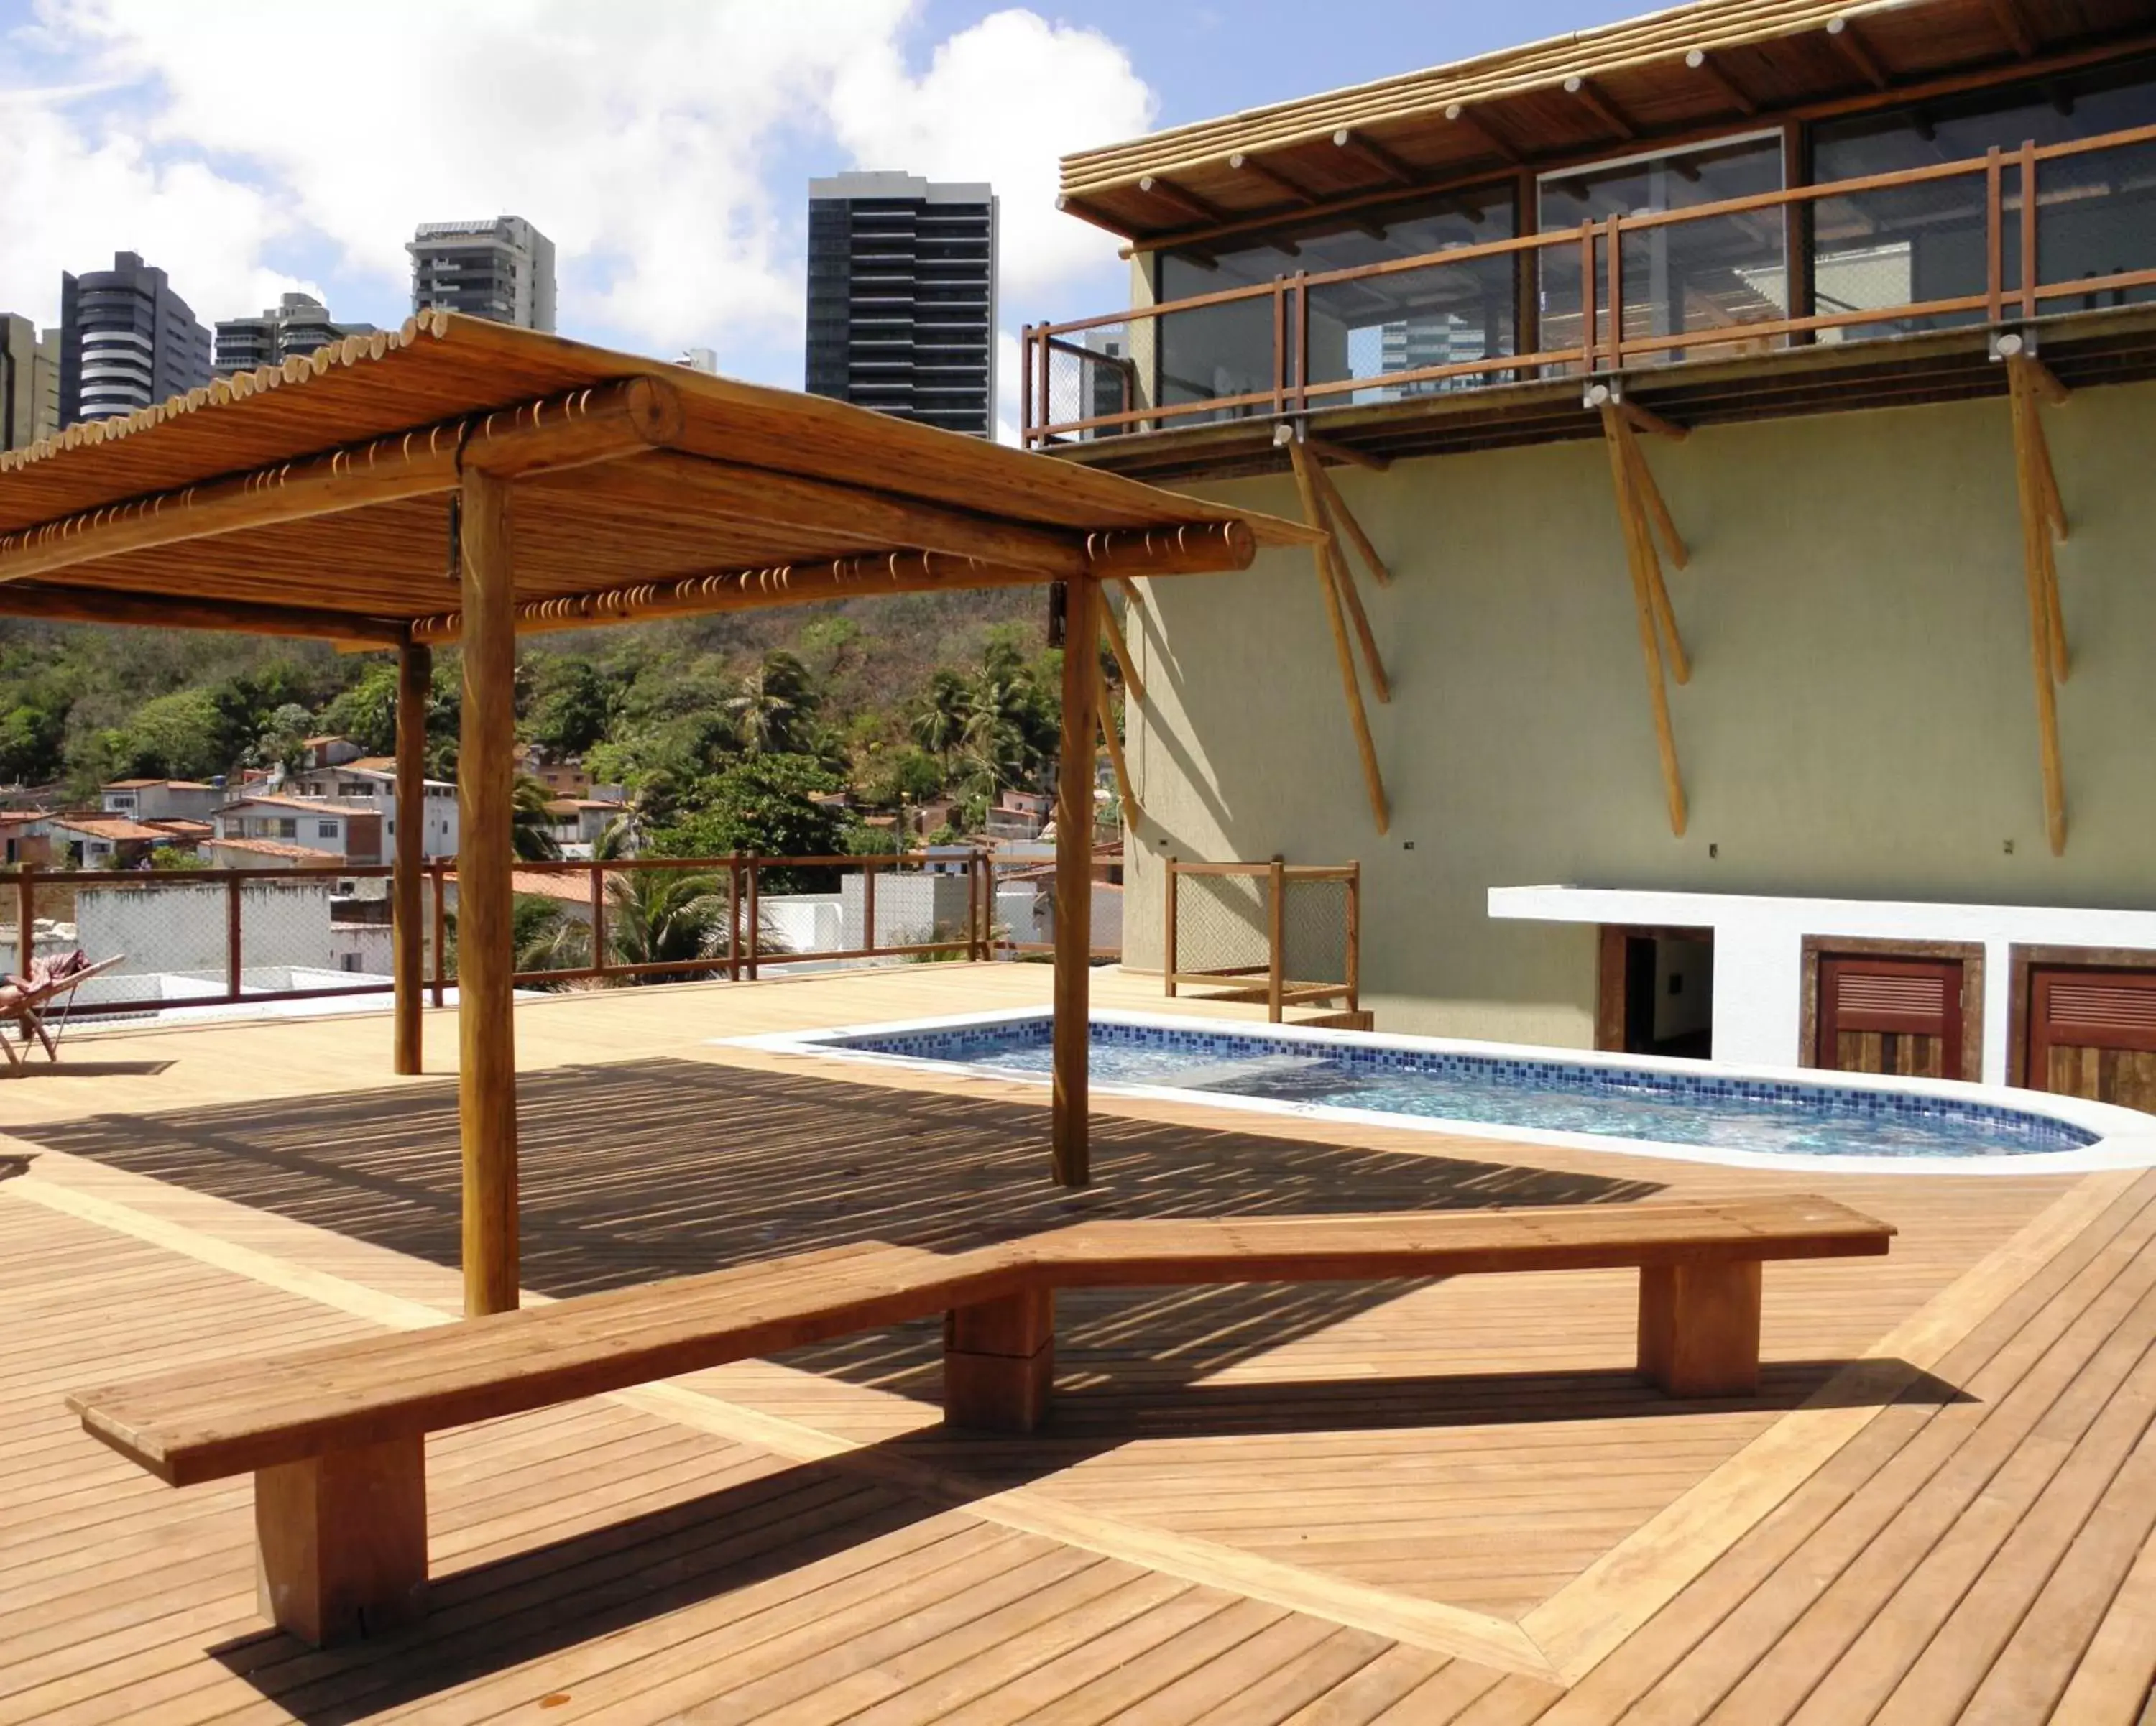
(639, 134)
(1001, 101)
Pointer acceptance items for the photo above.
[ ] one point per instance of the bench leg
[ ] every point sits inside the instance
(341, 1541)
(999, 1362)
(1699, 1328)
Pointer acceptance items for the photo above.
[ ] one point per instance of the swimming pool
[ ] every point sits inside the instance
(1696, 1110)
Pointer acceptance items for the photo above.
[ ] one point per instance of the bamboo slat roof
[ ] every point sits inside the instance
(1714, 65)
(743, 478)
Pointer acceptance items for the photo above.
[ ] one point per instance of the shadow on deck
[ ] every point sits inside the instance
(653, 1169)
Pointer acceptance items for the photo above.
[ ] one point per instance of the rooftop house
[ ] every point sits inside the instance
(349, 832)
(162, 799)
(371, 780)
(1797, 355)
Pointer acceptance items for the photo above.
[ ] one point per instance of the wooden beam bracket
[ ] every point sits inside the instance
(1324, 556)
(2043, 517)
(1651, 602)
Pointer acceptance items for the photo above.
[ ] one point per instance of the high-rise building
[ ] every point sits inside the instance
(503, 269)
(902, 298)
(30, 382)
(127, 342)
(297, 324)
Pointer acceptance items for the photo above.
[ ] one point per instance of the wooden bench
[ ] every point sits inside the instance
(335, 1436)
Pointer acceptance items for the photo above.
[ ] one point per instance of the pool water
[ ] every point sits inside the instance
(1707, 1108)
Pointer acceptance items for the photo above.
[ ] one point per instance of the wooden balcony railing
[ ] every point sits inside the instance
(2011, 192)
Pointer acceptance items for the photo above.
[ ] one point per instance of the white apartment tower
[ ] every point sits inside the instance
(503, 269)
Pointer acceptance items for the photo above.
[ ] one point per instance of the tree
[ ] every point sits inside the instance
(938, 724)
(763, 805)
(181, 735)
(278, 743)
(658, 917)
(366, 711)
(572, 706)
(545, 937)
(772, 709)
(530, 824)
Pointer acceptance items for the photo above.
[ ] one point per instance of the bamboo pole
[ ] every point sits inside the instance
(1640, 555)
(1070, 1153)
(1309, 469)
(1658, 511)
(2032, 452)
(415, 670)
(1342, 519)
(1121, 649)
(1626, 465)
(1133, 811)
(1373, 781)
(486, 1085)
(2042, 651)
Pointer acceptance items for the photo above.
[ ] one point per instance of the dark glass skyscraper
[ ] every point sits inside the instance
(902, 298)
(127, 342)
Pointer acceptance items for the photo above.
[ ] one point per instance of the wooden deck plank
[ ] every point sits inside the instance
(1419, 1446)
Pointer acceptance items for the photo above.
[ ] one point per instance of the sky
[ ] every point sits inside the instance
(252, 147)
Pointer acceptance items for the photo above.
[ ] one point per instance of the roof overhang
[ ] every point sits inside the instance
(1686, 72)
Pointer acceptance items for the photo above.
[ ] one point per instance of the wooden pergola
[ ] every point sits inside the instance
(460, 480)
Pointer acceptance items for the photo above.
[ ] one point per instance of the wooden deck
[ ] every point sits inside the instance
(1410, 1503)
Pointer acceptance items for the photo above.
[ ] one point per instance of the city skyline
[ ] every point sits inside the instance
(663, 149)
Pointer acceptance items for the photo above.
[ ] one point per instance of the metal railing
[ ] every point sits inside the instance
(212, 938)
(2019, 207)
(1284, 934)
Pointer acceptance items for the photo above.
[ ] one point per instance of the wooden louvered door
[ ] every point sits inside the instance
(2092, 1033)
(1886, 1015)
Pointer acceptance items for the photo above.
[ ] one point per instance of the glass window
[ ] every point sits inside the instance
(1362, 327)
(2096, 212)
(325, 830)
(1711, 276)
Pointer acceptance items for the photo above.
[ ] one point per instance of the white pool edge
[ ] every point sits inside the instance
(2127, 1138)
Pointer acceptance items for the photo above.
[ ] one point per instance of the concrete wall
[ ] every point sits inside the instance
(1860, 722)
(182, 928)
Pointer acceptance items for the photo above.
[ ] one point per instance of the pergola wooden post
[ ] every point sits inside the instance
(486, 1035)
(415, 676)
(1069, 1150)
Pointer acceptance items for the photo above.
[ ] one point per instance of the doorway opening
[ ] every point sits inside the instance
(1657, 992)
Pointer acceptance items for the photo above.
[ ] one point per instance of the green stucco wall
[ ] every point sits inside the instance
(1860, 721)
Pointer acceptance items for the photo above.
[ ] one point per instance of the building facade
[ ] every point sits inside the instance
(370, 782)
(297, 325)
(1764, 565)
(902, 298)
(30, 382)
(127, 342)
(503, 269)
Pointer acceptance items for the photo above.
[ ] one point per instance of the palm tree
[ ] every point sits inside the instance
(544, 938)
(772, 704)
(657, 917)
(939, 723)
(531, 826)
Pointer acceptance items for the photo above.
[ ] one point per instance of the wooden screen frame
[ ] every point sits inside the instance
(1827, 946)
(2020, 960)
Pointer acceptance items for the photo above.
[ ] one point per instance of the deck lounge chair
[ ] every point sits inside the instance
(28, 1000)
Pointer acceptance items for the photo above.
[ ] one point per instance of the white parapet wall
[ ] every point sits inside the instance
(1759, 941)
(165, 926)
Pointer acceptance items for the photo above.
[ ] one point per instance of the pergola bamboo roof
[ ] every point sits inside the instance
(466, 479)
(314, 499)
(1691, 69)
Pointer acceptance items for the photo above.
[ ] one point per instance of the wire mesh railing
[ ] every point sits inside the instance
(2012, 235)
(1283, 934)
(214, 941)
